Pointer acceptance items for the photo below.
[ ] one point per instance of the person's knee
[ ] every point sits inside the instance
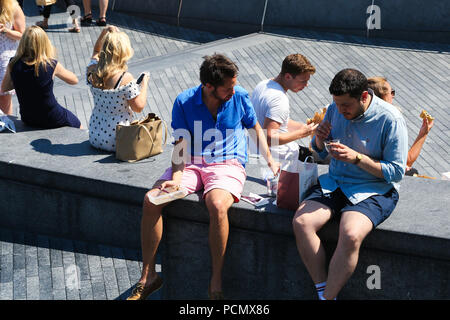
(351, 239)
(217, 207)
(149, 208)
(302, 221)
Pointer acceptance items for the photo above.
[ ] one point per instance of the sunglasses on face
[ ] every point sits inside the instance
(393, 93)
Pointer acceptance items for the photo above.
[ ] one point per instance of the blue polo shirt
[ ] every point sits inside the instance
(219, 140)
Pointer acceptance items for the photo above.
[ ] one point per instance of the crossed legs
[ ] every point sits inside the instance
(310, 217)
(218, 202)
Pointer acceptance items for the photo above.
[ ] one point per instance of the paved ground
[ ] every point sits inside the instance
(39, 267)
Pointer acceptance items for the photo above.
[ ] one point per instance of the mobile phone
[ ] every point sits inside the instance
(141, 77)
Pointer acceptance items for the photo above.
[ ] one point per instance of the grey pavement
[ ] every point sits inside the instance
(40, 267)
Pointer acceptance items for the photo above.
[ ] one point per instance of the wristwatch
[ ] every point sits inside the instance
(358, 158)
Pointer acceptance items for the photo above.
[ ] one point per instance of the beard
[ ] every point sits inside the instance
(360, 111)
(221, 100)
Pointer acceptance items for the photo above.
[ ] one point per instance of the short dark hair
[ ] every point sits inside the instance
(349, 81)
(216, 68)
(296, 64)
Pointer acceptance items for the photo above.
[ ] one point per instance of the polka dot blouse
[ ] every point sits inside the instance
(110, 108)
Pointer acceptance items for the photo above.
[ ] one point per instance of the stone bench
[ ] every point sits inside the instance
(54, 183)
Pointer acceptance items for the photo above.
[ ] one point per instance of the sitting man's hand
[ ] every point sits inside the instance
(341, 152)
(170, 183)
(322, 132)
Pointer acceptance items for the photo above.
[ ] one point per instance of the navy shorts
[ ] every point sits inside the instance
(377, 208)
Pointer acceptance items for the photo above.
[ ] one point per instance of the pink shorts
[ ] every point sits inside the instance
(228, 175)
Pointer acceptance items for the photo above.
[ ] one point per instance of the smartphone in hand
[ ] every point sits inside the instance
(141, 77)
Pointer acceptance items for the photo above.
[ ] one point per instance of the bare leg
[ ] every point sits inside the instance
(151, 233)
(87, 7)
(218, 201)
(310, 217)
(353, 228)
(103, 4)
(6, 104)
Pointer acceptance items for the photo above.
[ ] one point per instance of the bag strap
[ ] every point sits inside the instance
(149, 135)
(306, 159)
(165, 131)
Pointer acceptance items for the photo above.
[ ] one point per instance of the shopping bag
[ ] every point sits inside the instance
(296, 178)
(141, 138)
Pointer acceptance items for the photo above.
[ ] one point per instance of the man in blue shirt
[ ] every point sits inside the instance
(209, 123)
(366, 166)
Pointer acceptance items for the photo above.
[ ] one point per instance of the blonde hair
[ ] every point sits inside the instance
(35, 49)
(116, 51)
(7, 8)
(378, 85)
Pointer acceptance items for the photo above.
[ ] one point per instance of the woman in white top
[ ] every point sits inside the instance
(116, 93)
(12, 25)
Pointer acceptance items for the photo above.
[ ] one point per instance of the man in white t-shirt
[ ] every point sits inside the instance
(271, 104)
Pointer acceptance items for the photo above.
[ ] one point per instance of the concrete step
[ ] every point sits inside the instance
(53, 183)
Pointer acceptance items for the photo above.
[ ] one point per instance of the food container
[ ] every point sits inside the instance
(160, 196)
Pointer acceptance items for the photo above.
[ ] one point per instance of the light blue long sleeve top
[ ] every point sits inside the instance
(379, 133)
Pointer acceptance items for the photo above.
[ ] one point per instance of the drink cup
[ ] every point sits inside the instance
(272, 186)
(327, 143)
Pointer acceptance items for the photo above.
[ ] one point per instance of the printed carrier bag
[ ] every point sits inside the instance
(296, 178)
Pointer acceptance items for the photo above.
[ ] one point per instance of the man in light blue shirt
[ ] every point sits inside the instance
(367, 164)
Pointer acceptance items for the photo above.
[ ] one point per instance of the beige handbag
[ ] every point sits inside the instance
(45, 2)
(141, 139)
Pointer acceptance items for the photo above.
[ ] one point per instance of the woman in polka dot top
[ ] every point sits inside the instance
(116, 93)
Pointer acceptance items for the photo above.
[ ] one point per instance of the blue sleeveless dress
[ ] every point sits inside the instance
(38, 105)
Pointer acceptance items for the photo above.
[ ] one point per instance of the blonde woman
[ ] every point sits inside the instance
(383, 90)
(116, 93)
(31, 72)
(12, 25)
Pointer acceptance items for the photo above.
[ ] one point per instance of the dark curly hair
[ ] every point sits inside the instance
(216, 68)
(349, 81)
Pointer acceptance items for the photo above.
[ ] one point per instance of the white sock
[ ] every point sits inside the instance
(320, 287)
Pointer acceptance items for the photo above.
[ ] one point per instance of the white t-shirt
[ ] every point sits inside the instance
(270, 101)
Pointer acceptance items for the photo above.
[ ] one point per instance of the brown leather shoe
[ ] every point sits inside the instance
(141, 293)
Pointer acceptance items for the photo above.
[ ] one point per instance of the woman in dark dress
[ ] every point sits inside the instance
(30, 72)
